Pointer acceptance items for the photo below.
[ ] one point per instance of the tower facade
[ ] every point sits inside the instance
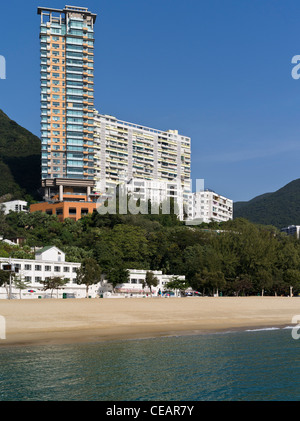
(67, 93)
(131, 151)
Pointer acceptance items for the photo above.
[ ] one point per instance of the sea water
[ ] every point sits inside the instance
(255, 365)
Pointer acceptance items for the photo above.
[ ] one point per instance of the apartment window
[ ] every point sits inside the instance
(56, 268)
(66, 269)
(28, 278)
(38, 267)
(38, 279)
(76, 32)
(48, 268)
(76, 24)
(74, 270)
(73, 41)
(27, 267)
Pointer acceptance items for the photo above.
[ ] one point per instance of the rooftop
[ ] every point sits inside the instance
(68, 9)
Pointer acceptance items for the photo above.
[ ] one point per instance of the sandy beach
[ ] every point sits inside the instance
(37, 322)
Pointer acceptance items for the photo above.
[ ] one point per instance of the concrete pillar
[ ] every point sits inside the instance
(88, 192)
(47, 193)
(61, 193)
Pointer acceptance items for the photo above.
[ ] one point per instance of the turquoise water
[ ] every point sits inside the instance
(239, 366)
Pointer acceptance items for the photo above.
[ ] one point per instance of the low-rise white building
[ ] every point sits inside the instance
(15, 206)
(49, 262)
(134, 286)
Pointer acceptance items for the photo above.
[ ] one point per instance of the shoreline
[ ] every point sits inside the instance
(71, 321)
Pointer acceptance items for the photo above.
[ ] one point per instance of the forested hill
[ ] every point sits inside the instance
(281, 208)
(19, 160)
(234, 257)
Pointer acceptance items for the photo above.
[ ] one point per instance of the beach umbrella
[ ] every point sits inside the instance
(31, 290)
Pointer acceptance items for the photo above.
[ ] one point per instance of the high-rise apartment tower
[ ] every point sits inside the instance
(131, 151)
(67, 93)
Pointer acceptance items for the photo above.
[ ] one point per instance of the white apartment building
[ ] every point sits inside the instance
(159, 193)
(154, 165)
(15, 206)
(207, 206)
(128, 151)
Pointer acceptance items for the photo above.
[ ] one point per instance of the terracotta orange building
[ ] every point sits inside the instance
(67, 198)
(63, 210)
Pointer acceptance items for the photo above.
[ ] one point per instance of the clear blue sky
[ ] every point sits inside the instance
(219, 71)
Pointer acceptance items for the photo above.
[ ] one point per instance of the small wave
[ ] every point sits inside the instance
(261, 329)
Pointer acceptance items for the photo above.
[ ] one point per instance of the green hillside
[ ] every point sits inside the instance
(19, 160)
(281, 208)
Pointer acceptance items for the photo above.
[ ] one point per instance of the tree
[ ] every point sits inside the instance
(292, 279)
(4, 278)
(263, 281)
(123, 244)
(53, 283)
(3, 224)
(117, 275)
(150, 280)
(88, 274)
(178, 284)
(215, 280)
(20, 284)
(243, 283)
(211, 279)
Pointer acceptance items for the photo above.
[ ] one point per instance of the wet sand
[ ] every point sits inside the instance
(40, 322)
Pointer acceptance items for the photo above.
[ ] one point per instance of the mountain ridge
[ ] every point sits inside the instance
(280, 208)
(20, 160)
